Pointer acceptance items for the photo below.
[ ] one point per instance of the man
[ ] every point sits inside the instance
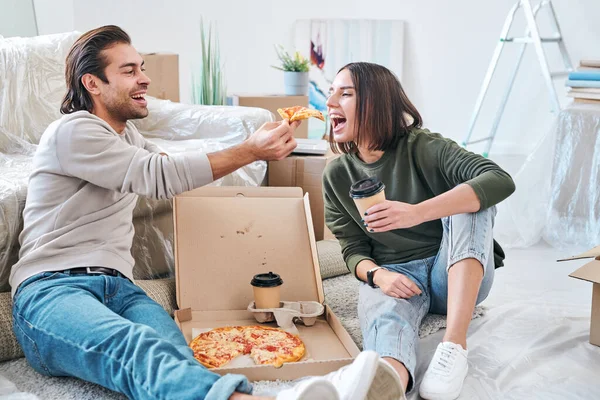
(76, 311)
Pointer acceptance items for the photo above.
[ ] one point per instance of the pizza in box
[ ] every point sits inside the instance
(265, 345)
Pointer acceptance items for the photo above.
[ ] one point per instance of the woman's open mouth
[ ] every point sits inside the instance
(338, 122)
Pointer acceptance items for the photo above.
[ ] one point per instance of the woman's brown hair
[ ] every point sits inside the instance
(85, 57)
(383, 111)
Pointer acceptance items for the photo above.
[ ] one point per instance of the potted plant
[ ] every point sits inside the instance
(208, 83)
(295, 72)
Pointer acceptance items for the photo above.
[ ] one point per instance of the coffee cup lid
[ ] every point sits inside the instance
(266, 280)
(366, 187)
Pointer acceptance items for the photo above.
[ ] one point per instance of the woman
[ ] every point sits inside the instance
(429, 246)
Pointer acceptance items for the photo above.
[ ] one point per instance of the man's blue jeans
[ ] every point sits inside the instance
(106, 330)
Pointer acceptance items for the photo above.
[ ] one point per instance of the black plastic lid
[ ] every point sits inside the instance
(266, 280)
(366, 187)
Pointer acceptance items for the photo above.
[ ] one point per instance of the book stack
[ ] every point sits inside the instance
(584, 84)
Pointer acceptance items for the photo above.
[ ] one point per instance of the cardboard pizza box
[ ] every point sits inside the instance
(591, 272)
(226, 235)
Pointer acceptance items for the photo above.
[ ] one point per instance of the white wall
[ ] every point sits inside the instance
(54, 16)
(448, 45)
(17, 18)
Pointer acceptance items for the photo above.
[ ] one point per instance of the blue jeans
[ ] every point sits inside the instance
(106, 330)
(390, 326)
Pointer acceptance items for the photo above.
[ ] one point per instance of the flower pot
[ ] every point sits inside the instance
(295, 83)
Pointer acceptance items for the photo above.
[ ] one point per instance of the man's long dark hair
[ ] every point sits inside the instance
(85, 57)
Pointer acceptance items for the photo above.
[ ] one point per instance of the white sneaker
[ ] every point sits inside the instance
(446, 373)
(311, 389)
(368, 377)
(386, 384)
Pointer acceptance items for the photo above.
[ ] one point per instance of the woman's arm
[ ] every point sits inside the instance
(477, 183)
(456, 165)
(391, 215)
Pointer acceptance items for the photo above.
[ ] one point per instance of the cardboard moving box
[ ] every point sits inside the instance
(163, 70)
(226, 235)
(305, 172)
(591, 272)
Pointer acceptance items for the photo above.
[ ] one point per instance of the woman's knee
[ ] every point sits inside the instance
(485, 218)
(470, 235)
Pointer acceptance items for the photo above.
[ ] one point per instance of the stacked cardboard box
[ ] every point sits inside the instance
(163, 70)
(306, 172)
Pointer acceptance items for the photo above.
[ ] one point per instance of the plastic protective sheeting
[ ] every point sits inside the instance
(31, 89)
(14, 174)
(558, 188)
(32, 85)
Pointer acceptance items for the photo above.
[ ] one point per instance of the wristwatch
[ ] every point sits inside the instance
(370, 274)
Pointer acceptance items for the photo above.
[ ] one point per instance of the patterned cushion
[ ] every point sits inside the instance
(9, 347)
(161, 291)
(330, 259)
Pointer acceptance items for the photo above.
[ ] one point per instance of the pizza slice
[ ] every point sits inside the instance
(274, 346)
(217, 347)
(288, 112)
(213, 354)
(298, 113)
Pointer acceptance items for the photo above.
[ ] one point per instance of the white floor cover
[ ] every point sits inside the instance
(533, 343)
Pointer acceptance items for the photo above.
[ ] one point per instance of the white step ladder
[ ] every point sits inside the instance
(532, 35)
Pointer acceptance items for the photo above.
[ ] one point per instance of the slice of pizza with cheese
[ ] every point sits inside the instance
(274, 346)
(298, 113)
(288, 113)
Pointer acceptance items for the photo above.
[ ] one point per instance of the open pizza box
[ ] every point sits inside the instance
(226, 235)
(591, 272)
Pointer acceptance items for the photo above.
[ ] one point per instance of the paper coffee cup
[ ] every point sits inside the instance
(267, 290)
(366, 193)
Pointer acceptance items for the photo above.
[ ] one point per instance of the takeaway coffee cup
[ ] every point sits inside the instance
(267, 290)
(366, 193)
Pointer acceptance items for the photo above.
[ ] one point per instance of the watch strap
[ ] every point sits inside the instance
(370, 274)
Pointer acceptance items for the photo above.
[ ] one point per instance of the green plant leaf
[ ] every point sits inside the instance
(294, 63)
(207, 81)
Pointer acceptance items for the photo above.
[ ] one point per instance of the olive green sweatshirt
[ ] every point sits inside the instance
(422, 166)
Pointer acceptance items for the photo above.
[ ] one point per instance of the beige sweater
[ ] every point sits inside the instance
(84, 186)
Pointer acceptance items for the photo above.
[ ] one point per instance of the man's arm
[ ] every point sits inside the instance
(151, 147)
(272, 141)
(88, 151)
